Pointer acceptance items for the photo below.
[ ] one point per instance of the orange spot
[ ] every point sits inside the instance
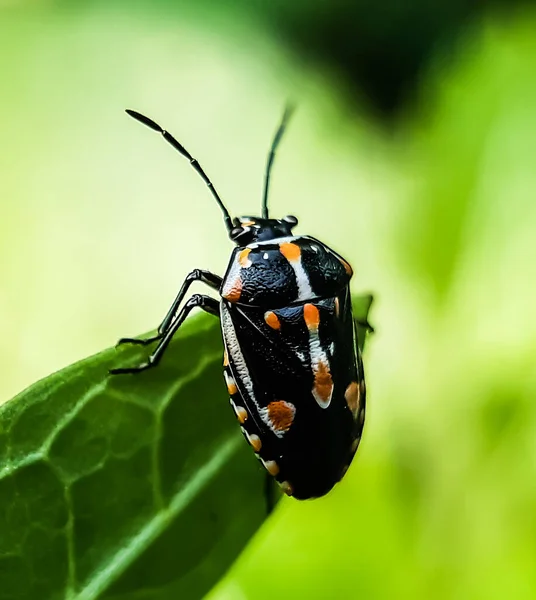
(234, 291)
(311, 316)
(241, 413)
(337, 307)
(243, 258)
(355, 445)
(272, 320)
(247, 223)
(323, 382)
(255, 442)
(231, 384)
(352, 396)
(290, 251)
(225, 358)
(281, 414)
(287, 488)
(271, 466)
(347, 267)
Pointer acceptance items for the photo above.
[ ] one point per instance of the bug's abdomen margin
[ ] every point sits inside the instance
(296, 383)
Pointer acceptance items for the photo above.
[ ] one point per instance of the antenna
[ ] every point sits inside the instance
(289, 109)
(178, 146)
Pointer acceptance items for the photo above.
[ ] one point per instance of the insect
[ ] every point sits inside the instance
(292, 365)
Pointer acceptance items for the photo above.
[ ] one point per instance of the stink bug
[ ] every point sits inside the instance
(292, 364)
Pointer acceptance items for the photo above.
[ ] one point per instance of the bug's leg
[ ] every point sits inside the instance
(207, 303)
(214, 281)
(206, 277)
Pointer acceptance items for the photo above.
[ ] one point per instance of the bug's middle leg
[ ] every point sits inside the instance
(210, 279)
(206, 303)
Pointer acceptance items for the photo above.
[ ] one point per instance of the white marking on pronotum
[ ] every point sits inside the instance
(236, 353)
(265, 256)
(305, 291)
(274, 241)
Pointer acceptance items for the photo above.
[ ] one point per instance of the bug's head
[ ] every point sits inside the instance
(255, 229)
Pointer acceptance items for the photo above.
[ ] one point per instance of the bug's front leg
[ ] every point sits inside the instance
(210, 279)
(206, 303)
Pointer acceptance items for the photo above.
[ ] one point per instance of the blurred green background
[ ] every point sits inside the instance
(412, 154)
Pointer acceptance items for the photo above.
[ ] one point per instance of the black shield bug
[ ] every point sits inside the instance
(292, 364)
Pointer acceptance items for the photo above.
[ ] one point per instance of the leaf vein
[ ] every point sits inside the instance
(116, 565)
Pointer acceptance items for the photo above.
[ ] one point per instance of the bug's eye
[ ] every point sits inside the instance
(241, 234)
(291, 220)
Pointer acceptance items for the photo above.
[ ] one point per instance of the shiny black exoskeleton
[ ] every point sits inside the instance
(292, 363)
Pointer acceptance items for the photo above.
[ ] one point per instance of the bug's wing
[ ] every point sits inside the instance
(299, 375)
(265, 365)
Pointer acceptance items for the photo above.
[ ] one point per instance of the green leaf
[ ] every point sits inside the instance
(127, 486)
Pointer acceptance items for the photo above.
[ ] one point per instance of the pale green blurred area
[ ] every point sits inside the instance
(101, 220)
